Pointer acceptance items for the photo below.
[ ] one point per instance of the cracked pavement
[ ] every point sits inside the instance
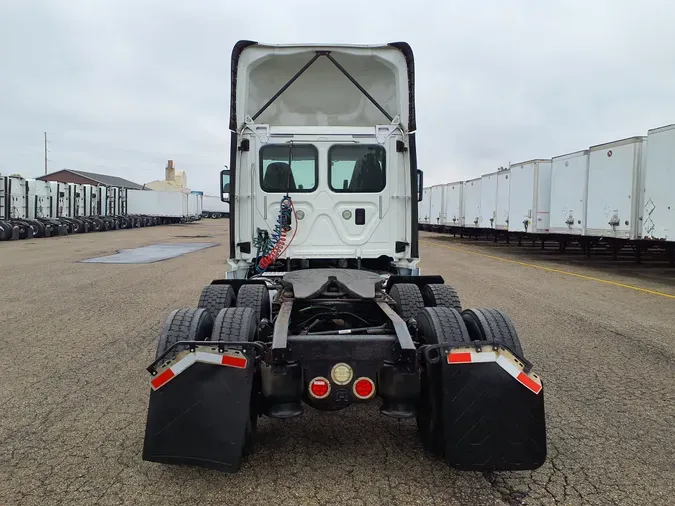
(76, 339)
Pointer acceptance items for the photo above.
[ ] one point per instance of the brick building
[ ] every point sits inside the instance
(80, 177)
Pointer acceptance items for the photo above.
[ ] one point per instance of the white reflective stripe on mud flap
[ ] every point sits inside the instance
(508, 366)
(183, 363)
(208, 358)
(484, 356)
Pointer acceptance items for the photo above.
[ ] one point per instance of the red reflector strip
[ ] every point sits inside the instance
(529, 382)
(229, 360)
(459, 358)
(161, 379)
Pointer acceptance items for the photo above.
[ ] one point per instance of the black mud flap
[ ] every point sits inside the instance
(199, 418)
(492, 422)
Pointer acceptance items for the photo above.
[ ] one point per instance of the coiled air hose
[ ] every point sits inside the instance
(277, 240)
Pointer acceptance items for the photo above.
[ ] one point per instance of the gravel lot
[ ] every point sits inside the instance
(76, 339)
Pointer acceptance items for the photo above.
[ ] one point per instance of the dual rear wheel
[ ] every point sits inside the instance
(440, 319)
(226, 316)
(255, 296)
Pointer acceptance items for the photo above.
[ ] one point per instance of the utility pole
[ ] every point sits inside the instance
(45, 153)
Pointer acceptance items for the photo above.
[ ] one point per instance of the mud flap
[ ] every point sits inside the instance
(200, 416)
(492, 421)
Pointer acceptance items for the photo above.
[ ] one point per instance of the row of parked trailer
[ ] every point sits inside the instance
(622, 191)
(34, 208)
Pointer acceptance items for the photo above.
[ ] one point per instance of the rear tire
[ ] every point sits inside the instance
(240, 324)
(184, 325)
(492, 325)
(257, 297)
(408, 299)
(216, 297)
(437, 295)
(437, 325)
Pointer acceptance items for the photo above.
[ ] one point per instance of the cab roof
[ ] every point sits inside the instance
(322, 84)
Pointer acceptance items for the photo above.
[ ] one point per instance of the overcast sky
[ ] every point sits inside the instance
(123, 85)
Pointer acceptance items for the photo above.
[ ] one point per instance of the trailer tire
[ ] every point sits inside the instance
(257, 297)
(97, 225)
(492, 325)
(6, 231)
(437, 295)
(38, 228)
(25, 231)
(239, 324)
(184, 325)
(216, 297)
(408, 299)
(437, 325)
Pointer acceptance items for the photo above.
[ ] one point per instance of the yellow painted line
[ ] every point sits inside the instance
(549, 269)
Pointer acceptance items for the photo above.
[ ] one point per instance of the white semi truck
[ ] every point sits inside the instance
(324, 304)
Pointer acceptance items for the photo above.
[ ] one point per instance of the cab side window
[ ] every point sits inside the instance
(357, 168)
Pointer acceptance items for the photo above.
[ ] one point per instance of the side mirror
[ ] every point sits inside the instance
(420, 185)
(225, 185)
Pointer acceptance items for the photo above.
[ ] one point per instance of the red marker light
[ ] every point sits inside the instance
(319, 387)
(364, 388)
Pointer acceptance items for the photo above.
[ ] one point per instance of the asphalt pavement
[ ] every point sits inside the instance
(76, 338)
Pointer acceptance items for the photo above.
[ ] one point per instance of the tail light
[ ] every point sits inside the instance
(364, 388)
(319, 387)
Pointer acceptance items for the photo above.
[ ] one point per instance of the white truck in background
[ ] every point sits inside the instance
(214, 207)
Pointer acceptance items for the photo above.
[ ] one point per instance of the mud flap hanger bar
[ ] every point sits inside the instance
(192, 346)
(432, 352)
(340, 68)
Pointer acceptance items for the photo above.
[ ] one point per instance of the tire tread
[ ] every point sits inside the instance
(437, 295)
(408, 298)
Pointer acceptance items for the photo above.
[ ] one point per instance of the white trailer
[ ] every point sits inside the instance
(90, 200)
(79, 201)
(213, 207)
(39, 199)
(488, 200)
(471, 197)
(614, 179)
(503, 189)
(3, 199)
(14, 198)
(170, 205)
(194, 209)
(424, 207)
(453, 204)
(569, 191)
(530, 196)
(658, 207)
(114, 202)
(436, 205)
(14, 204)
(57, 197)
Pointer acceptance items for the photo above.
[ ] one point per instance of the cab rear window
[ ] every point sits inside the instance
(283, 170)
(357, 168)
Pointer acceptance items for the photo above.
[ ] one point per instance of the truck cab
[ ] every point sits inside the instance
(323, 140)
